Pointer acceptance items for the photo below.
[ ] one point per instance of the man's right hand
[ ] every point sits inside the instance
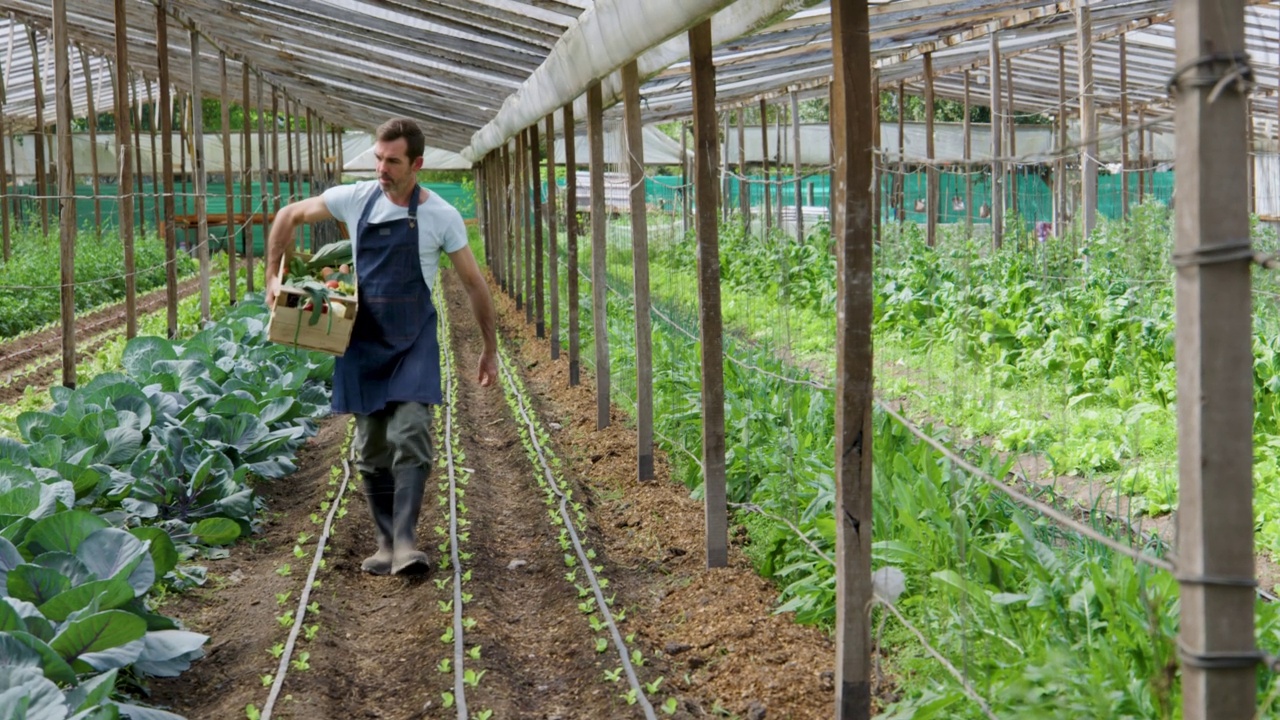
(273, 289)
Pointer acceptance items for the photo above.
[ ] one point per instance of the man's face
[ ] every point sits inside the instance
(396, 174)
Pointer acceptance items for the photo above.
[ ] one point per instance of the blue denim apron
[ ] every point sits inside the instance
(393, 355)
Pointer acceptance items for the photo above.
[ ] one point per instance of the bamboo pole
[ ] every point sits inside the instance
(901, 181)
(1011, 127)
(67, 186)
(5, 238)
(123, 152)
(155, 174)
(1060, 172)
(1219, 657)
(135, 120)
(851, 152)
(599, 278)
(711, 332)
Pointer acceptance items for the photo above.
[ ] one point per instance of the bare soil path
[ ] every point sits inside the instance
(711, 635)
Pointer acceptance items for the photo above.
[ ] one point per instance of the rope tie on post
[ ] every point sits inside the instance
(1223, 70)
(1227, 252)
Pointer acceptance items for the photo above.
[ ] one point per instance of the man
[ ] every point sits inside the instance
(390, 374)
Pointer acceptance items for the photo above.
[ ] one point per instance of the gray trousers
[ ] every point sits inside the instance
(395, 437)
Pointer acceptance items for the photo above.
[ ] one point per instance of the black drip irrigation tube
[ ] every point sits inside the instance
(530, 429)
(451, 398)
(306, 588)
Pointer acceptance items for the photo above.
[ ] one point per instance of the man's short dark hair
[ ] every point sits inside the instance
(397, 128)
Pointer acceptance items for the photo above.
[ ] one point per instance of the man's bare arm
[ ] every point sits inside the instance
(280, 243)
(482, 305)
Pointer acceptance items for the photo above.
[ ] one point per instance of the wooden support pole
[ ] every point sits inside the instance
(931, 173)
(1060, 172)
(166, 167)
(503, 208)
(901, 180)
(91, 113)
(599, 278)
(125, 169)
(246, 179)
(42, 184)
(778, 158)
(509, 265)
(710, 323)
(877, 157)
(1124, 127)
(1011, 127)
(199, 179)
(640, 266)
(263, 170)
(1088, 125)
(744, 189)
(229, 198)
(67, 185)
(184, 137)
(997, 166)
(1250, 157)
(571, 241)
(155, 171)
(5, 236)
(1142, 153)
(275, 151)
(1212, 253)
(553, 255)
(685, 200)
(968, 156)
(724, 171)
(764, 164)
(291, 175)
(135, 120)
(526, 223)
(539, 271)
(795, 164)
(851, 175)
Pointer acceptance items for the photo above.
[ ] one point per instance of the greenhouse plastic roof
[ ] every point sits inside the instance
(469, 69)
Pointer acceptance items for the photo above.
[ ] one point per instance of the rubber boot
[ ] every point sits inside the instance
(380, 494)
(407, 559)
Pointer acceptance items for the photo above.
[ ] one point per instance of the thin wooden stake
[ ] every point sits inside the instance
(553, 245)
(968, 156)
(1060, 172)
(571, 239)
(225, 103)
(42, 182)
(67, 186)
(795, 164)
(997, 167)
(1124, 127)
(931, 173)
(539, 256)
(744, 189)
(710, 323)
(1212, 253)
(640, 266)
(125, 168)
(246, 178)
(599, 271)
(1011, 127)
(764, 164)
(1088, 125)
(197, 169)
(166, 167)
(92, 115)
(851, 175)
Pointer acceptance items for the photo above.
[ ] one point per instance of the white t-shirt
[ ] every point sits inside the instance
(440, 226)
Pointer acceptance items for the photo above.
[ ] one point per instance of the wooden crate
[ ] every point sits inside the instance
(289, 324)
